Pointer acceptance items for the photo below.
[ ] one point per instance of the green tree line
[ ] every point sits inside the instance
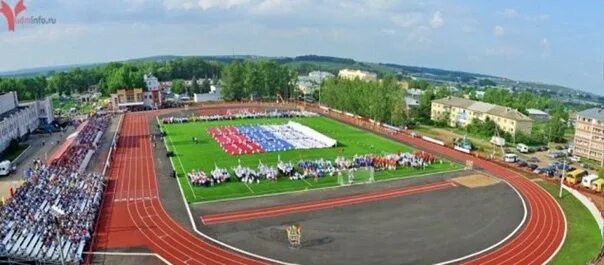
(380, 100)
(263, 79)
(109, 77)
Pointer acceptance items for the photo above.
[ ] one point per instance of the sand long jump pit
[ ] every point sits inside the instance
(476, 181)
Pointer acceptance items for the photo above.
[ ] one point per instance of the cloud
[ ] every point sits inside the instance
(276, 6)
(546, 49)
(221, 4)
(509, 13)
(437, 20)
(498, 31)
(203, 4)
(406, 20)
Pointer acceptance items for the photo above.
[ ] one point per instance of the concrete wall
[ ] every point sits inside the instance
(8, 101)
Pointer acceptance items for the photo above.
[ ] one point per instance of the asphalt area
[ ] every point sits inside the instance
(423, 228)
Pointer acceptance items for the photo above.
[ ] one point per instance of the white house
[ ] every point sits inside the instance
(151, 82)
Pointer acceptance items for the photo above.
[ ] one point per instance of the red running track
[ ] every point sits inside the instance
(545, 229)
(237, 216)
(136, 190)
(135, 181)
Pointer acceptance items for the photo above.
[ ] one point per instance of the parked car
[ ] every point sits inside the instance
(522, 148)
(556, 154)
(587, 166)
(533, 159)
(575, 159)
(542, 148)
(510, 158)
(522, 163)
(533, 166)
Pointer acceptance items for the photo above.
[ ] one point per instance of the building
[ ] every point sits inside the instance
(307, 84)
(537, 115)
(589, 134)
(151, 82)
(460, 112)
(18, 120)
(213, 95)
(136, 99)
(411, 103)
(414, 93)
(354, 74)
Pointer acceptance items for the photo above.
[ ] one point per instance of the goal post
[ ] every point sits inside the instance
(356, 176)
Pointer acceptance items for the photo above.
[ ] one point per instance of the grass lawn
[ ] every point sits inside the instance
(208, 153)
(583, 239)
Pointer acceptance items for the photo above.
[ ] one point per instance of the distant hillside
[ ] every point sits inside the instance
(307, 63)
(62, 68)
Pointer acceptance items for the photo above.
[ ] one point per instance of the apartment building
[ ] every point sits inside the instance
(19, 119)
(589, 134)
(460, 112)
(354, 74)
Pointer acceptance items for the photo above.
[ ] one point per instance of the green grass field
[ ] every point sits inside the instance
(208, 153)
(583, 239)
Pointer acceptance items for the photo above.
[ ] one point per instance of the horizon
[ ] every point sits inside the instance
(7, 73)
(529, 42)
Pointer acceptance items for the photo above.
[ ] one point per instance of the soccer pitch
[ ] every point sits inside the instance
(206, 154)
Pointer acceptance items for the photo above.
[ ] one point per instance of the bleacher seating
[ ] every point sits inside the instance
(27, 228)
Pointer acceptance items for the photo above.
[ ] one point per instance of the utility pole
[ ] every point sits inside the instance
(563, 175)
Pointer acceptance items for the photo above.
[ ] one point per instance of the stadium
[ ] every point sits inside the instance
(221, 132)
(266, 183)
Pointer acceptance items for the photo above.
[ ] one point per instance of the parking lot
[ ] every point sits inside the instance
(552, 162)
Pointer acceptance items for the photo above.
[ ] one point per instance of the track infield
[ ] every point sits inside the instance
(208, 154)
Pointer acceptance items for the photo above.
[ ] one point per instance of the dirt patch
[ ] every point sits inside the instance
(476, 181)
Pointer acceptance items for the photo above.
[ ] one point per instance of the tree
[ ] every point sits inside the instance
(206, 87)
(233, 81)
(601, 172)
(178, 86)
(424, 110)
(194, 86)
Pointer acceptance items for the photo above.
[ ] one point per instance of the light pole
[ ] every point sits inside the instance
(57, 214)
(563, 174)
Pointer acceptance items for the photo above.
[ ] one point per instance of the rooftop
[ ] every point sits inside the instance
(483, 107)
(536, 112)
(9, 113)
(595, 113)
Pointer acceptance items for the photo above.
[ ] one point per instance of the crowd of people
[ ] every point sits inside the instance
(28, 227)
(315, 169)
(240, 115)
(217, 176)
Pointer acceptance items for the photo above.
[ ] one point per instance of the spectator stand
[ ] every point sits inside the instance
(27, 230)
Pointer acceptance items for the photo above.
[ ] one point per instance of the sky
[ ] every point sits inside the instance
(556, 42)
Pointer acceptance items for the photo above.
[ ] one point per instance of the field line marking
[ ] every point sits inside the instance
(179, 161)
(307, 182)
(129, 254)
(248, 187)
